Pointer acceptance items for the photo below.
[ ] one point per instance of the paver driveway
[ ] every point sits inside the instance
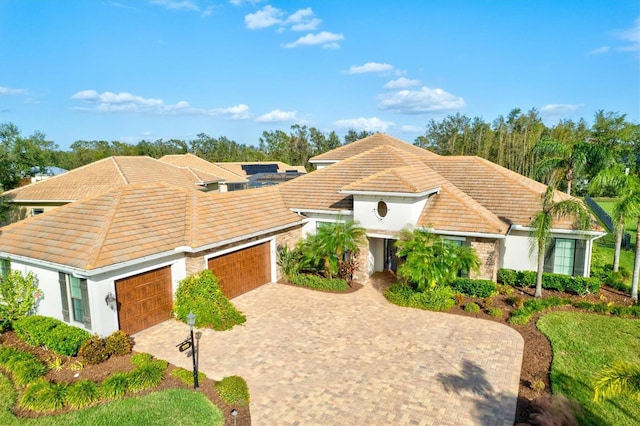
(314, 358)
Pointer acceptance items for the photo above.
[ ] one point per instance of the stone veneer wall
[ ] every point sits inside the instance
(488, 251)
(195, 262)
(362, 274)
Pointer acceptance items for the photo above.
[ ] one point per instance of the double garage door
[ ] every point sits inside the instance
(146, 299)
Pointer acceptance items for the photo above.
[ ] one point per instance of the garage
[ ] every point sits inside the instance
(144, 300)
(242, 270)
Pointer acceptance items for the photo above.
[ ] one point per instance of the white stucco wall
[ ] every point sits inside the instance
(515, 252)
(401, 211)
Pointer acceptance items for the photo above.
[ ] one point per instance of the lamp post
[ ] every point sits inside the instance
(191, 320)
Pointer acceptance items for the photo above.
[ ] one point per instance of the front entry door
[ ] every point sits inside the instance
(390, 258)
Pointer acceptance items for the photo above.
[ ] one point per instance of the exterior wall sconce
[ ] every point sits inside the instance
(110, 300)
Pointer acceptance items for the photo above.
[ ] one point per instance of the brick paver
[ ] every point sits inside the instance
(313, 358)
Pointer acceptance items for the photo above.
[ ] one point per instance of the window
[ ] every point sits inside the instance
(564, 256)
(5, 268)
(75, 299)
(382, 209)
(36, 212)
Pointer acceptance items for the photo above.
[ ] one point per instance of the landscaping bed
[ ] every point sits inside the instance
(66, 373)
(537, 356)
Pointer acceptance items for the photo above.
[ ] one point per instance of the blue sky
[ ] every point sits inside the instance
(149, 69)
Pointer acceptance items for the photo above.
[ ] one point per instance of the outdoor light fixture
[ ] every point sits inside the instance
(191, 320)
(110, 300)
(234, 413)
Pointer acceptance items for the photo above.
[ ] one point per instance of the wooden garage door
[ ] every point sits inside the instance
(243, 270)
(144, 300)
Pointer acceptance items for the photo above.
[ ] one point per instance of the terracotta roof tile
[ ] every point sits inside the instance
(408, 179)
(196, 163)
(236, 167)
(373, 141)
(104, 175)
(141, 220)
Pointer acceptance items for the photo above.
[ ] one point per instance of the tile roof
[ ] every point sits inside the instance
(370, 142)
(408, 179)
(107, 174)
(140, 220)
(319, 189)
(197, 163)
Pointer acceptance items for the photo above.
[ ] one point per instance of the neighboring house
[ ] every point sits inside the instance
(228, 180)
(387, 185)
(114, 261)
(98, 177)
(264, 173)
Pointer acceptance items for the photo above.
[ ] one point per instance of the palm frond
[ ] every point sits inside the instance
(621, 378)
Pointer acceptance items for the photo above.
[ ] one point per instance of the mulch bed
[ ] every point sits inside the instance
(101, 371)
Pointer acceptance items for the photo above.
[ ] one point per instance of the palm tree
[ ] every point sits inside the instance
(430, 260)
(569, 159)
(628, 188)
(621, 378)
(542, 224)
(332, 244)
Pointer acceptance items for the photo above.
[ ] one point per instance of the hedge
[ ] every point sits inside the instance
(63, 339)
(474, 288)
(560, 282)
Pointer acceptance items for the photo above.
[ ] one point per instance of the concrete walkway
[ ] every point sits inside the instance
(313, 358)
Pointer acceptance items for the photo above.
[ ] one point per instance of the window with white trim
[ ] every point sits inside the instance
(564, 256)
(75, 299)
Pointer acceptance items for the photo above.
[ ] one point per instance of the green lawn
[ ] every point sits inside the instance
(170, 407)
(630, 225)
(582, 345)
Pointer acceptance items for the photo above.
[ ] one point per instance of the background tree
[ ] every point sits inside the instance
(568, 159)
(430, 260)
(353, 135)
(542, 224)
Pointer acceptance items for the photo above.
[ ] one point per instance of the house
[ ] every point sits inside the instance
(228, 180)
(98, 177)
(113, 260)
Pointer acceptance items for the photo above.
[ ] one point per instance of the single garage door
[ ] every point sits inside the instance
(144, 300)
(242, 270)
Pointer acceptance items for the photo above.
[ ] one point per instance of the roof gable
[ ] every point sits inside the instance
(198, 164)
(404, 180)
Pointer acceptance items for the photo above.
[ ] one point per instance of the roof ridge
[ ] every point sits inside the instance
(105, 227)
(119, 170)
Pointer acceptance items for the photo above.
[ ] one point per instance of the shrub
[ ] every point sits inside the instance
(474, 288)
(94, 350)
(399, 294)
(115, 386)
(317, 282)
(515, 301)
(118, 343)
(289, 260)
(63, 339)
(507, 276)
(44, 396)
(505, 289)
(537, 386)
(146, 376)
(439, 298)
(82, 393)
(23, 366)
(487, 303)
(19, 295)
(526, 278)
(186, 376)
(472, 307)
(233, 390)
(140, 358)
(582, 285)
(202, 295)
(495, 312)
(458, 298)
(524, 314)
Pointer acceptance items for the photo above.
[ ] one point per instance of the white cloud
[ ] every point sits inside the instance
(631, 36)
(401, 83)
(325, 38)
(373, 124)
(177, 4)
(369, 67)
(600, 50)
(420, 101)
(126, 102)
(242, 2)
(303, 20)
(409, 128)
(264, 18)
(5, 91)
(277, 116)
(552, 110)
(238, 112)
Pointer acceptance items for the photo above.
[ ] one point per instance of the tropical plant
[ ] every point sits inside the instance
(332, 248)
(621, 378)
(430, 260)
(557, 157)
(542, 224)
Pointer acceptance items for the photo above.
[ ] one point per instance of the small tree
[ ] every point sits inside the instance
(430, 260)
(542, 224)
(19, 295)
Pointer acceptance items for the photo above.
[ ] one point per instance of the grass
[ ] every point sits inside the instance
(582, 345)
(170, 407)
